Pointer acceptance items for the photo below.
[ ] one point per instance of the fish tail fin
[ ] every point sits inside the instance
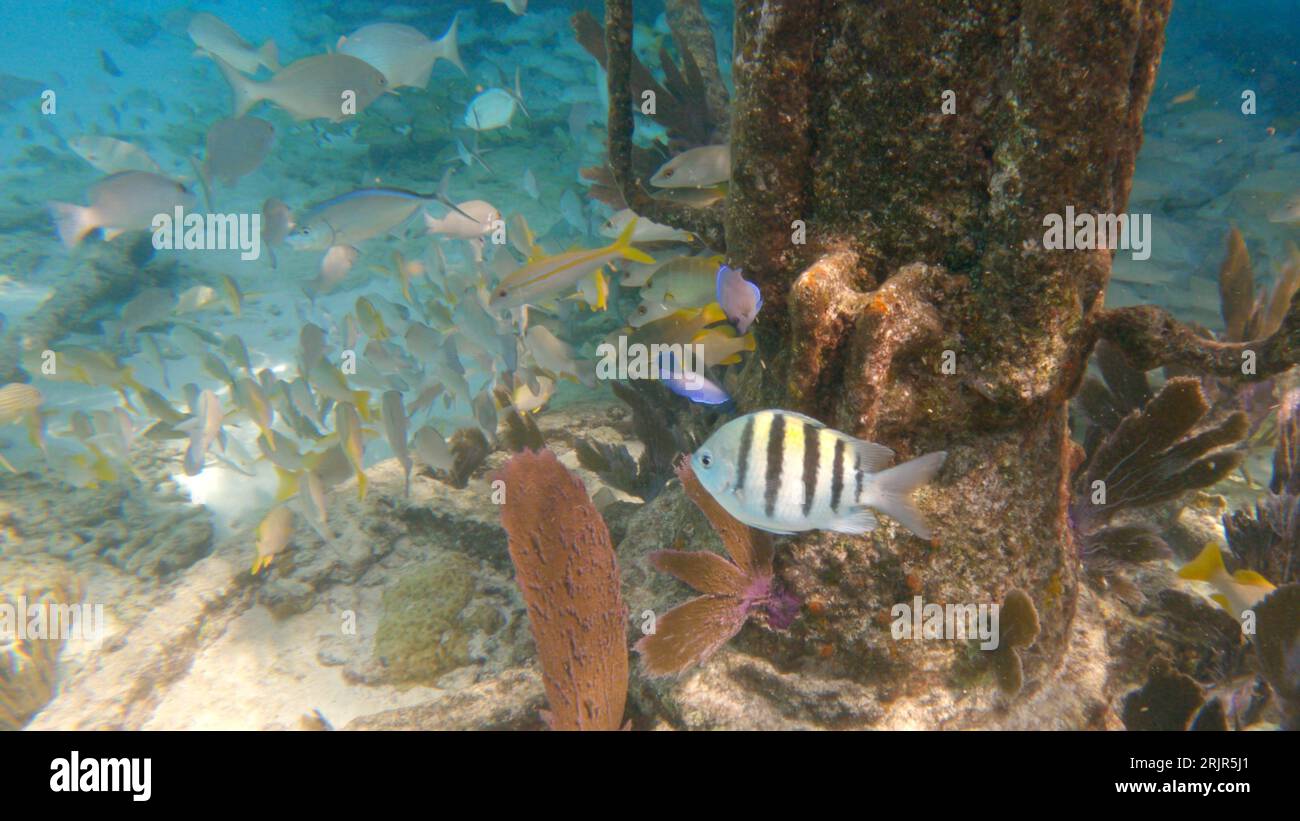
(269, 55)
(891, 490)
(623, 245)
(1207, 565)
(244, 92)
(205, 180)
(1251, 579)
(72, 221)
(362, 484)
(598, 299)
(361, 399)
(260, 564)
(448, 46)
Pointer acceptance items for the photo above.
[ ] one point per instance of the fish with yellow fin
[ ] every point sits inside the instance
(272, 536)
(1237, 592)
(543, 278)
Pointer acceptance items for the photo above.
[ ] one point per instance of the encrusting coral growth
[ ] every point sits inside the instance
(733, 590)
(568, 575)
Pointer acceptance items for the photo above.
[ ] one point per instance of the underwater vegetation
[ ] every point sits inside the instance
(735, 588)
(907, 397)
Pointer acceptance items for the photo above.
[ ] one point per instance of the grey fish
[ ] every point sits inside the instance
(236, 146)
(393, 416)
(311, 88)
(432, 450)
(14, 89)
(118, 203)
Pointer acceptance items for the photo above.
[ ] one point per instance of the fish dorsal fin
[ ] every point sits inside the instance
(872, 457)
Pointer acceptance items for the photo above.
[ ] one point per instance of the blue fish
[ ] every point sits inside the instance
(740, 299)
(694, 386)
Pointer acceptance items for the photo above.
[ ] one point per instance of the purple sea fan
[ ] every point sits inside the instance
(734, 590)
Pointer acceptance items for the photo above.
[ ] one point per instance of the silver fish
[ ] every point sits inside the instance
(784, 472)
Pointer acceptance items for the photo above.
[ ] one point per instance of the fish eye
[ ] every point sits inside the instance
(706, 459)
(668, 172)
(642, 310)
(503, 293)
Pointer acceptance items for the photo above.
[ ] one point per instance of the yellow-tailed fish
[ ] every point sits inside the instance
(330, 381)
(722, 345)
(250, 399)
(370, 319)
(1237, 592)
(679, 327)
(347, 423)
(273, 536)
(536, 281)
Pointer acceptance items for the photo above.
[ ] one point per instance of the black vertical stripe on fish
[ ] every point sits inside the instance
(746, 442)
(837, 478)
(775, 461)
(857, 471)
(811, 463)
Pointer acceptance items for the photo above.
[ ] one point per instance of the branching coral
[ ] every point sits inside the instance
(29, 667)
(733, 590)
(568, 575)
(1265, 328)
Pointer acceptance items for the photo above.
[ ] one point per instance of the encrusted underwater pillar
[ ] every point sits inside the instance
(892, 166)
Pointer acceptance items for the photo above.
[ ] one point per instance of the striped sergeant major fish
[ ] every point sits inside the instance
(784, 472)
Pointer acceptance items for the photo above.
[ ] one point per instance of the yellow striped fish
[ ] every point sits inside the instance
(784, 472)
(537, 280)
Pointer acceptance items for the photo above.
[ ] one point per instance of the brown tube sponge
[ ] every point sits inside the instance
(568, 574)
